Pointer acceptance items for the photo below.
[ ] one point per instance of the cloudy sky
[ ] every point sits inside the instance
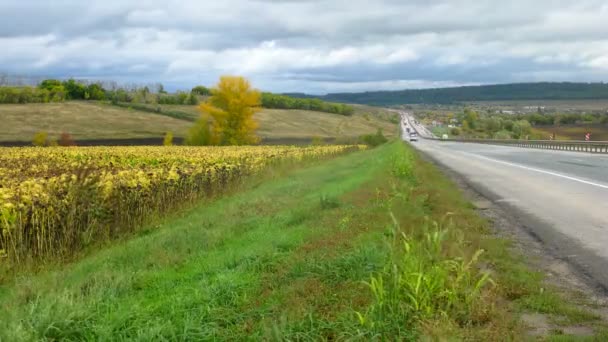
(309, 46)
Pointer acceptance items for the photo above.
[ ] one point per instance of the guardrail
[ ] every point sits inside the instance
(559, 145)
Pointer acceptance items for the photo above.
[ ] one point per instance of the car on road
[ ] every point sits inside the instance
(413, 136)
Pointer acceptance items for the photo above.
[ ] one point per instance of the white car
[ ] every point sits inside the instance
(413, 136)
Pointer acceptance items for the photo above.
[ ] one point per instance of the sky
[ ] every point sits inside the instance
(307, 46)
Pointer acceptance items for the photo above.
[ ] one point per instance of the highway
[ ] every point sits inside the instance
(560, 197)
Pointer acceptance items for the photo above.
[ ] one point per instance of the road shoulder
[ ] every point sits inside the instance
(563, 269)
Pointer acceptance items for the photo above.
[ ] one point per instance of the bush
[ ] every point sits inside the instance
(199, 134)
(455, 131)
(374, 139)
(503, 134)
(40, 139)
(168, 140)
(65, 139)
(317, 141)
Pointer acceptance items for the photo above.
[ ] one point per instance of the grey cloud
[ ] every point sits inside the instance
(301, 45)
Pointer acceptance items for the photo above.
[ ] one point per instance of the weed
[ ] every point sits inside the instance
(328, 202)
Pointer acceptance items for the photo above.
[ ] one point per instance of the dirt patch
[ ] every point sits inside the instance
(538, 324)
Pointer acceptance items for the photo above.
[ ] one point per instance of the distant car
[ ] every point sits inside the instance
(413, 136)
(444, 137)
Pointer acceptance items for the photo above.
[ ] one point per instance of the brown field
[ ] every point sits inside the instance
(88, 120)
(598, 132)
(295, 123)
(83, 120)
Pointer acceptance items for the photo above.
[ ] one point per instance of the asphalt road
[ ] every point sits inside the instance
(560, 197)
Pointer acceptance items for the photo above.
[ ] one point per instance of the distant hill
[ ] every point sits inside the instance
(497, 92)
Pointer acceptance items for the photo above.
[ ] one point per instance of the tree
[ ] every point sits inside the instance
(57, 93)
(521, 129)
(471, 117)
(49, 84)
(231, 106)
(201, 90)
(492, 124)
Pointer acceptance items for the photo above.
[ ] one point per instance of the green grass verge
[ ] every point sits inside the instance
(294, 258)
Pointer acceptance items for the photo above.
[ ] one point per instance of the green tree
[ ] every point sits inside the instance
(74, 90)
(521, 129)
(492, 124)
(201, 90)
(57, 93)
(49, 84)
(471, 117)
(95, 92)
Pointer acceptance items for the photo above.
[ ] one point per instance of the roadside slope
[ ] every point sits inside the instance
(288, 258)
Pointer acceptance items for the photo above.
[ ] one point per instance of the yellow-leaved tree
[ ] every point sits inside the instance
(231, 108)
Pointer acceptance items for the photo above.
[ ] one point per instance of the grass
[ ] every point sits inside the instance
(88, 120)
(298, 256)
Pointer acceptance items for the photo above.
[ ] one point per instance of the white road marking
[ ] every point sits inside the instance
(603, 186)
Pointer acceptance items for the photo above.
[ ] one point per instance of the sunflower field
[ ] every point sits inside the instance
(55, 201)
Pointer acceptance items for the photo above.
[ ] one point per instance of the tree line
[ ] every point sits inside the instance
(270, 100)
(52, 90)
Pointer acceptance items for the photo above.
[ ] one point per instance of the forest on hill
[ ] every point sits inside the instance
(496, 92)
